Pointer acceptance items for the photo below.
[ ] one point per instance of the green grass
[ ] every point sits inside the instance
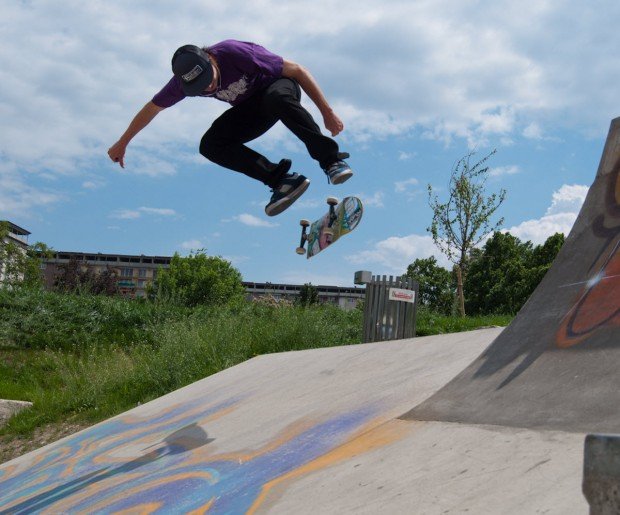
(85, 358)
(429, 323)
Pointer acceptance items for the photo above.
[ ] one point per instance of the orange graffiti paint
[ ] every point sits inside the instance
(599, 303)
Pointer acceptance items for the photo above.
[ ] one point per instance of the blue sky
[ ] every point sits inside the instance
(418, 84)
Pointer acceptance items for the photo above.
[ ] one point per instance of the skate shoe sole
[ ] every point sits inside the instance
(277, 207)
(341, 177)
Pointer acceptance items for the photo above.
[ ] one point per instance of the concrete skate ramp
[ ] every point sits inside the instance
(236, 441)
(557, 366)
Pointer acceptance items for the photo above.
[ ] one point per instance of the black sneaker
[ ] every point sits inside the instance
(288, 191)
(339, 171)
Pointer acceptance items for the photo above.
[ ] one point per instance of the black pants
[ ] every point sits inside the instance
(224, 142)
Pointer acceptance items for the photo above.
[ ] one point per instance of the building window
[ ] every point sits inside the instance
(127, 272)
(142, 272)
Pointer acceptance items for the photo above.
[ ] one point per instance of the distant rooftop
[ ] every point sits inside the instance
(16, 229)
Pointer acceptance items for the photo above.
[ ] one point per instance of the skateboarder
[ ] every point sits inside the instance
(262, 88)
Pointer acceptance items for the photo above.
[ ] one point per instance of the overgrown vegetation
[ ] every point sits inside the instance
(506, 271)
(308, 295)
(87, 357)
(501, 276)
(81, 357)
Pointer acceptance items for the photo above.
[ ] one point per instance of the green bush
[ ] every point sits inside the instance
(199, 280)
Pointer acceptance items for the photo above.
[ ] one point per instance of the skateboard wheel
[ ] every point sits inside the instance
(304, 222)
(332, 201)
(301, 251)
(328, 232)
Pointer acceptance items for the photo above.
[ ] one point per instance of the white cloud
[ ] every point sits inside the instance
(93, 185)
(309, 203)
(253, 221)
(559, 217)
(533, 131)
(504, 170)
(429, 68)
(395, 254)
(157, 211)
(568, 199)
(126, 214)
(192, 245)
(365, 125)
(405, 186)
(236, 260)
(134, 214)
(406, 156)
(19, 198)
(375, 200)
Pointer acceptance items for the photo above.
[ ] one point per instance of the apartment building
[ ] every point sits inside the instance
(344, 297)
(134, 272)
(17, 236)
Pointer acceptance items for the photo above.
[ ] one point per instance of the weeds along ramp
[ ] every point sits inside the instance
(557, 365)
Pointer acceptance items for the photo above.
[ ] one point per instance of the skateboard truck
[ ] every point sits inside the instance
(328, 231)
(304, 236)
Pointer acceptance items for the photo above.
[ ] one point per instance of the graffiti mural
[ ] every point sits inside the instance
(599, 301)
(167, 463)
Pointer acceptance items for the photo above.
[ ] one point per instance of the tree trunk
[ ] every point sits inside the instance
(459, 289)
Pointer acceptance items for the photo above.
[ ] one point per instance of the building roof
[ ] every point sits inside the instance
(16, 229)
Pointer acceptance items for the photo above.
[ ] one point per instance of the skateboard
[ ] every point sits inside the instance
(341, 219)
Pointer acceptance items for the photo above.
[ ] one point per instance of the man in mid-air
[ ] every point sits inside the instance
(262, 88)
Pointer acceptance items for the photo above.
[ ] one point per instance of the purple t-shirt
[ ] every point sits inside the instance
(245, 68)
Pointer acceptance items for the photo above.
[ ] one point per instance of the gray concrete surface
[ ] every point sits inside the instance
(442, 468)
(556, 366)
(9, 408)
(231, 435)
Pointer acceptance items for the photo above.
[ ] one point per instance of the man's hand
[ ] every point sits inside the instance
(140, 121)
(297, 72)
(332, 123)
(117, 153)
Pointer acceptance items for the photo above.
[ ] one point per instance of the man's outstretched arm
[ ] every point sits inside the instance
(310, 86)
(140, 121)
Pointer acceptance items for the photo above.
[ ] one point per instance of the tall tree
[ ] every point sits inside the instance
(464, 219)
(506, 271)
(436, 286)
(498, 275)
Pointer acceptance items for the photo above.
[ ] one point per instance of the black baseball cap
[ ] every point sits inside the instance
(192, 66)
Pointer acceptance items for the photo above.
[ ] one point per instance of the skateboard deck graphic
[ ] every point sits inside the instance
(341, 219)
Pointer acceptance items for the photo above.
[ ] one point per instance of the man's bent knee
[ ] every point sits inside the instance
(208, 147)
